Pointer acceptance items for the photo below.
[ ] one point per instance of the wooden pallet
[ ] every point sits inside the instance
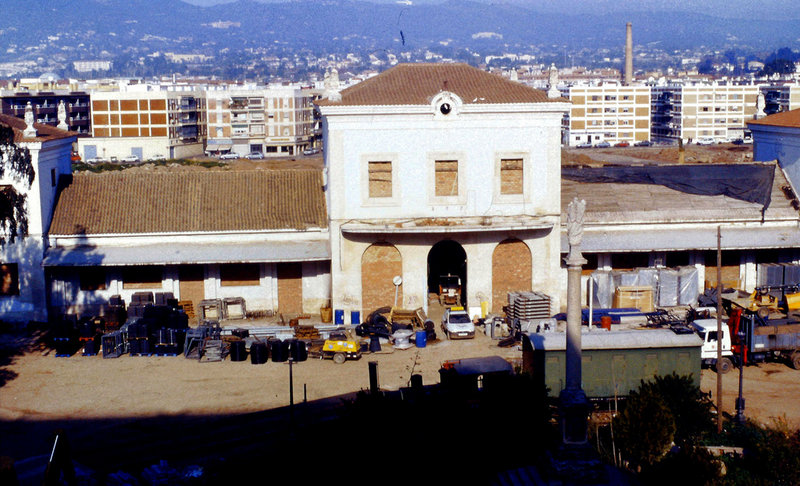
(306, 332)
(187, 307)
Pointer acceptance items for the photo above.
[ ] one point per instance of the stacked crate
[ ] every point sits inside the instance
(526, 306)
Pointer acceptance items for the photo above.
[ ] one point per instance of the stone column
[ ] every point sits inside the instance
(573, 403)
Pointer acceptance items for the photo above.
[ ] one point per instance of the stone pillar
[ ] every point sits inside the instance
(573, 403)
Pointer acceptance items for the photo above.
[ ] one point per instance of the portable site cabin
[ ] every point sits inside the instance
(613, 362)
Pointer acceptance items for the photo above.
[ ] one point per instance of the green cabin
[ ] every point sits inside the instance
(613, 362)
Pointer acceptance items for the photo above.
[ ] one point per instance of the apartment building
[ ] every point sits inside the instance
(273, 120)
(702, 111)
(778, 98)
(146, 124)
(46, 106)
(606, 112)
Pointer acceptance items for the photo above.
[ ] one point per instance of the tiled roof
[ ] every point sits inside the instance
(608, 202)
(782, 119)
(416, 84)
(43, 132)
(198, 201)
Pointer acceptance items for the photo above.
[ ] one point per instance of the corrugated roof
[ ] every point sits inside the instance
(417, 84)
(782, 119)
(200, 201)
(43, 132)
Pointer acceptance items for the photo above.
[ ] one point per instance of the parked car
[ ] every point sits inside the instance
(254, 156)
(311, 151)
(95, 160)
(622, 144)
(158, 157)
(643, 143)
(456, 324)
(603, 145)
(229, 156)
(704, 141)
(131, 159)
(584, 145)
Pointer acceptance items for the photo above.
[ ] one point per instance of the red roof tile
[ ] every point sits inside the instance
(417, 84)
(782, 119)
(198, 201)
(43, 132)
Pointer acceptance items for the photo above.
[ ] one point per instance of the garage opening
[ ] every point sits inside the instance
(447, 273)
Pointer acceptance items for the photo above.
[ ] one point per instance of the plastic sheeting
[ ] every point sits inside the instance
(671, 286)
(746, 182)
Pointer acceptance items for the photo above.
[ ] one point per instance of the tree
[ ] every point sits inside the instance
(644, 429)
(15, 164)
(691, 408)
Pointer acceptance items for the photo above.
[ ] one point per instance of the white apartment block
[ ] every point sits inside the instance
(707, 110)
(274, 120)
(89, 66)
(607, 112)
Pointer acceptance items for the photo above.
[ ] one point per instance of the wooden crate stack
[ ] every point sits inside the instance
(306, 332)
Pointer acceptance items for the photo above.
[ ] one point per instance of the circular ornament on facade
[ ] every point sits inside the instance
(446, 104)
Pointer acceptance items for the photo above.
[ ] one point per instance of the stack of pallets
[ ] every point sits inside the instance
(528, 305)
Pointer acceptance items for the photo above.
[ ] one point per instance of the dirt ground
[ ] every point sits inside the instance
(110, 405)
(40, 386)
(719, 153)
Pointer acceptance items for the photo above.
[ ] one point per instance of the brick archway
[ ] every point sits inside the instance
(380, 263)
(511, 271)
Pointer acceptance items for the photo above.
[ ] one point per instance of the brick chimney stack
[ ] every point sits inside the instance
(628, 54)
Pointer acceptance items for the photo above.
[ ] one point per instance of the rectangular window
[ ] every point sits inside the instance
(446, 178)
(380, 179)
(53, 178)
(9, 279)
(511, 176)
(142, 277)
(239, 274)
(93, 278)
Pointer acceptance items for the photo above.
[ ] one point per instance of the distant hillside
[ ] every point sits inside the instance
(337, 25)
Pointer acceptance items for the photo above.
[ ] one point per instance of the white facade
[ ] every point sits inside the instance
(779, 140)
(693, 111)
(474, 213)
(276, 121)
(51, 160)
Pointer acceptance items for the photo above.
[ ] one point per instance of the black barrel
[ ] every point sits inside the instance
(279, 350)
(259, 352)
(298, 350)
(238, 351)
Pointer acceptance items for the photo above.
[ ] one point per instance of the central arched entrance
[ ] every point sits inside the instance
(447, 258)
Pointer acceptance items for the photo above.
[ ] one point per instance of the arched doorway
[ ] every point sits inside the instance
(511, 271)
(447, 258)
(380, 263)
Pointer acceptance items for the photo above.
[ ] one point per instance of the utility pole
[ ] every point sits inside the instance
(719, 329)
